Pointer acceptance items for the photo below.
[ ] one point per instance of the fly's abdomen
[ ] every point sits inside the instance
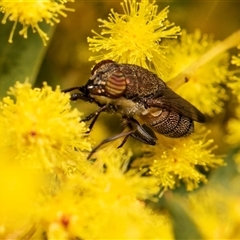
(169, 123)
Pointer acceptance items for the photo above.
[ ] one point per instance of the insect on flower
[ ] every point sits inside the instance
(144, 101)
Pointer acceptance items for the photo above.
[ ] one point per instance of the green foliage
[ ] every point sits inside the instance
(183, 225)
(21, 59)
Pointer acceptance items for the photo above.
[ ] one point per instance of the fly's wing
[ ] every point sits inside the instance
(168, 99)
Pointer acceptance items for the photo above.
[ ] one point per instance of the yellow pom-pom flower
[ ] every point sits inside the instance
(106, 202)
(134, 37)
(31, 13)
(234, 76)
(236, 60)
(178, 160)
(39, 127)
(204, 87)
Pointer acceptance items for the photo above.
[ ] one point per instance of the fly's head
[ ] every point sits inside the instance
(106, 80)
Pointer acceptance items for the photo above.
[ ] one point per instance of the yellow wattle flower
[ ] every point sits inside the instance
(204, 86)
(236, 60)
(31, 13)
(106, 202)
(135, 36)
(176, 161)
(234, 76)
(39, 128)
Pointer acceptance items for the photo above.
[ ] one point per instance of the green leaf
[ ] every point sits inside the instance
(183, 225)
(225, 175)
(22, 58)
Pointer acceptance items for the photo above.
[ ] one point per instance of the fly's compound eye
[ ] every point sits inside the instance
(115, 84)
(102, 65)
(107, 80)
(110, 85)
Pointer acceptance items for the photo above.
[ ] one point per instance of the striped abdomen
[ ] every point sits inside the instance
(169, 123)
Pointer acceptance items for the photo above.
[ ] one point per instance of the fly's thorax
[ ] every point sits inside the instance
(141, 82)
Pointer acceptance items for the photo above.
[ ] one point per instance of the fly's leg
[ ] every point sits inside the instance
(136, 131)
(142, 133)
(110, 139)
(95, 116)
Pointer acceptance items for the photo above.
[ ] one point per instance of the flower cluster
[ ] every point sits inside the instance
(44, 169)
(234, 76)
(206, 80)
(49, 188)
(176, 161)
(122, 40)
(39, 128)
(105, 202)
